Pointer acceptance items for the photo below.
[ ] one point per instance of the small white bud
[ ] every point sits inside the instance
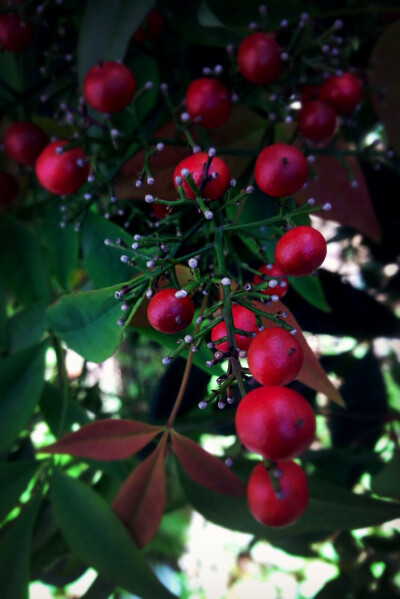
(208, 215)
(273, 283)
(148, 85)
(293, 331)
(338, 24)
(242, 353)
(160, 146)
(149, 293)
(199, 319)
(192, 263)
(232, 183)
(88, 196)
(206, 71)
(181, 293)
(284, 56)
(194, 348)
(124, 307)
(149, 198)
(196, 149)
(178, 180)
(249, 189)
(284, 23)
(311, 159)
(124, 259)
(138, 183)
(221, 404)
(185, 117)
(326, 207)
(188, 338)
(150, 263)
(354, 184)
(107, 241)
(164, 88)
(80, 162)
(114, 132)
(212, 152)
(135, 245)
(150, 180)
(185, 172)
(203, 404)
(90, 178)
(166, 360)
(218, 69)
(274, 298)
(225, 281)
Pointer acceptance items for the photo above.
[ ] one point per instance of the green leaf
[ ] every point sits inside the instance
(87, 322)
(239, 14)
(14, 478)
(26, 327)
(21, 383)
(15, 549)
(145, 69)
(311, 290)
(97, 536)
(330, 508)
(50, 406)
(106, 30)
(23, 269)
(3, 318)
(387, 482)
(62, 246)
(102, 262)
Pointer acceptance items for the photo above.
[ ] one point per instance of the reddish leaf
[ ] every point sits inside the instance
(350, 206)
(384, 75)
(312, 374)
(106, 440)
(205, 469)
(141, 499)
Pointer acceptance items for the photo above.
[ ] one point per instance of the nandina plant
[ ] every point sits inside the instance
(197, 244)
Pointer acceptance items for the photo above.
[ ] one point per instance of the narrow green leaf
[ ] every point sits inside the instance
(3, 318)
(15, 549)
(311, 290)
(50, 406)
(387, 482)
(23, 271)
(26, 327)
(62, 246)
(21, 383)
(87, 322)
(14, 478)
(96, 535)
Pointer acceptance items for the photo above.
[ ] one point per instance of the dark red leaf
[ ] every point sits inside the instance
(141, 499)
(205, 469)
(106, 440)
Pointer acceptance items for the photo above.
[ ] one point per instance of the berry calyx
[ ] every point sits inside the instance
(277, 497)
(300, 251)
(168, 313)
(274, 357)
(211, 186)
(15, 34)
(342, 93)
(259, 59)
(209, 101)
(9, 189)
(242, 319)
(61, 172)
(280, 170)
(274, 274)
(23, 142)
(109, 87)
(275, 422)
(317, 120)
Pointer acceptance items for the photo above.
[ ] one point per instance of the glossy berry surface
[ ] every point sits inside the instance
(342, 93)
(208, 101)
(170, 314)
(300, 251)
(15, 34)
(280, 170)
(109, 87)
(242, 319)
(272, 272)
(274, 357)
(275, 422)
(214, 187)
(317, 120)
(281, 503)
(23, 142)
(9, 189)
(259, 59)
(61, 173)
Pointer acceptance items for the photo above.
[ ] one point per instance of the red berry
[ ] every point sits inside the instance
(342, 93)
(209, 101)
(109, 87)
(242, 319)
(214, 188)
(308, 93)
(275, 422)
(170, 314)
(61, 173)
(274, 273)
(259, 59)
(23, 142)
(159, 211)
(280, 170)
(274, 357)
(15, 35)
(317, 120)
(281, 502)
(153, 28)
(300, 251)
(9, 189)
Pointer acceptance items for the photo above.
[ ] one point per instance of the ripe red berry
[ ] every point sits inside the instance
(259, 59)
(170, 314)
(242, 319)
(317, 120)
(9, 189)
(109, 87)
(15, 34)
(61, 173)
(23, 142)
(300, 251)
(274, 357)
(342, 93)
(280, 170)
(214, 187)
(273, 273)
(209, 101)
(279, 497)
(154, 26)
(275, 422)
